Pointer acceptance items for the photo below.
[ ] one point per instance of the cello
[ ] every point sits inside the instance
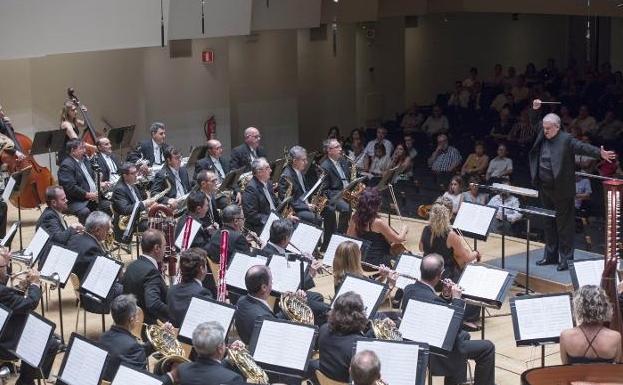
(89, 137)
(38, 180)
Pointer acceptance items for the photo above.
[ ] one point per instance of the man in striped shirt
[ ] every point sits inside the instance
(445, 158)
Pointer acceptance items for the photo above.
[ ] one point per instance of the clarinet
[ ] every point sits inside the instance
(222, 286)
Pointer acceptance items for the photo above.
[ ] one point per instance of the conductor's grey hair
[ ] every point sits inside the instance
(155, 126)
(297, 152)
(258, 164)
(207, 337)
(96, 220)
(552, 118)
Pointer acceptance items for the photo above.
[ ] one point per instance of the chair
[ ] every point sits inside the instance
(565, 374)
(75, 283)
(324, 380)
(215, 268)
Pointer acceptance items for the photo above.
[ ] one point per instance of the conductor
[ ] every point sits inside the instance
(552, 168)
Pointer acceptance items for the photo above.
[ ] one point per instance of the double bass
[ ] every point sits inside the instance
(89, 137)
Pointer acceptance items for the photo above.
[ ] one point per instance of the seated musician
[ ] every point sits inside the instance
(21, 305)
(337, 177)
(207, 181)
(121, 345)
(347, 322)
(174, 175)
(367, 225)
(198, 206)
(365, 368)
(258, 198)
(124, 196)
(591, 340)
(51, 219)
(151, 150)
(294, 175)
(347, 260)
(108, 161)
(244, 154)
(213, 161)
(78, 180)
(142, 278)
(210, 367)
(481, 351)
(193, 270)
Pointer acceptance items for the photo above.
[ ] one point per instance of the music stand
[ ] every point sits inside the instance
(474, 221)
(20, 178)
(197, 153)
(47, 142)
(277, 167)
(230, 179)
(121, 137)
(387, 178)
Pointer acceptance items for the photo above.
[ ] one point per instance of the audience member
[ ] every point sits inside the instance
(380, 162)
(503, 99)
(403, 161)
(473, 195)
(381, 133)
(583, 192)
(584, 124)
(520, 91)
(412, 120)
(499, 167)
(522, 134)
(356, 148)
(445, 158)
(566, 120)
(503, 125)
(455, 193)
(610, 129)
(477, 161)
(437, 123)
(505, 218)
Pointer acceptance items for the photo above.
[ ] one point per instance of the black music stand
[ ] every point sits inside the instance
(197, 153)
(121, 137)
(47, 142)
(231, 179)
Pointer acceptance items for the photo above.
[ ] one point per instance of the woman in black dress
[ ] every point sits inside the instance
(70, 124)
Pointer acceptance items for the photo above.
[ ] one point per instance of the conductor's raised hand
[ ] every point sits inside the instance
(606, 155)
(536, 104)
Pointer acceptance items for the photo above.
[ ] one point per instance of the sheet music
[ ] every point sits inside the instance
(410, 265)
(9, 234)
(127, 376)
(334, 242)
(238, 268)
(305, 238)
(265, 235)
(59, 261)
(286, 274)
(543, 317)
(370, 292)
(194, 228)
(426, 322)
(398, 361)
(474, 218)
(84, 364)
(589, 272)
(102, 275)
(271, 349)
(313, 189)
(204, 311)
(135, 211)
(4, 314)
(8, 189)
(482, 282)
(37, 243)
(32, 342)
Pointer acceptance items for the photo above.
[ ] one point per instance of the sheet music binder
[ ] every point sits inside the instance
(574, 274)
(310, 225)
(242, 290)
(83, 289)
(75, 336)
(422, 358)
(265, 234)
(39, 233)
(227, 328)
(499, 298)
(52, 327)
(6, 314)
(517, 332)
(8, 238)
(63, 280)
(275, 368)
(379, 300)
(453, 328)
(329, 258)
(125, 368)
(294, 269)
(467, 209)
(402, 282)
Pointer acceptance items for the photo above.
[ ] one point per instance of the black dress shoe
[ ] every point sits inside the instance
(545, 261)
(562, 266)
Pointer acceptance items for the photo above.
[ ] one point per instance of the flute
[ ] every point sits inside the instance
(397, 273)
(310, 258)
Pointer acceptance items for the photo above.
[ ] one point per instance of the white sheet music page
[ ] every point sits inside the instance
(266, 230)
(59, 261)
(32, 342)
(474, 218)
(589, 272)
(426, 322)
(398, 361)
(305, 238)
(410, 265)
(84, 364)
(8, 189)
(127, 376)
(4, 314)
(271, 349)
(9, 234)
(334, 242)
(238, 268)
(482, 282)
(204, 311)
(102, 275)
(37, 243)
(194, 227)
(543, 317)
(370, 292)
(286, 274)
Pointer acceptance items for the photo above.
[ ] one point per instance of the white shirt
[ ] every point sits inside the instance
(369, 150)
(179, 187)
(498, 166)
(512, 216)
(269, 198)
(87, 176)
(280, 249)
(151, 259)
(340, 172)
(158, 159)
(301, 181)
(262, 301)
(112, 167)
(219, 167)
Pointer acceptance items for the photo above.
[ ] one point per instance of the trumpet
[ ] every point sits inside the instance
(25, 258)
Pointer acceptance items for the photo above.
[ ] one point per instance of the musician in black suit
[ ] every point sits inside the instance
(193, 270)
(337, 177)
(198, 205)
(121, 345)
(210, 367)
(174, 175)
(243, 155)
(233, 222)
(207, 182)
(51, 219)
(454, 366)
(21, 305)
(142, 278)
(213, 160)
(293, 177)
(552, 167)
(151, 149)
(107, 162)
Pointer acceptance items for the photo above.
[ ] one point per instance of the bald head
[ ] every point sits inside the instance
(252, 137)
(215, 148)
(431, 268)
(365, 368)
(258, 281)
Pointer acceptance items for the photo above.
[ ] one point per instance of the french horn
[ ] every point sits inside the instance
(384, 329)
(169, 349)
(241, 357)
(296, 309)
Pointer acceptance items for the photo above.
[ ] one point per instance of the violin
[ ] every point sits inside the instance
(89, 137)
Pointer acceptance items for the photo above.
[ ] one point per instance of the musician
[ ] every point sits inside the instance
(209, 368)
(71, 125)
(233, 222)
(347, 260)
(108, 161)
(243, 155)
(21, 305)
(121, 345)
(455, 365)
(193, 271)
(89, 244)
(78, 180)
(51, 219)
(214, 160)
(198, 206)
(294, 174)
(365, 368)
(124, 196)
(176, 176)
(142, 278)
(552, 167)
(337, 178)
(207, 181)
(258, 198)
(151, 149)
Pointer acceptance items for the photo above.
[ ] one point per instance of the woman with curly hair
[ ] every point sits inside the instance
(591, 341)
(368, 225)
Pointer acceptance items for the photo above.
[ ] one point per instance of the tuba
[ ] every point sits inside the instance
(168, 349)
(385, 330)
(241, 357)
(296, 309)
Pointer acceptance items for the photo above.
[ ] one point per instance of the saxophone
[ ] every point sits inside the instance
(352, 196)
(287, 209)
(125, 219)
(241, 357)
(318, 199)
